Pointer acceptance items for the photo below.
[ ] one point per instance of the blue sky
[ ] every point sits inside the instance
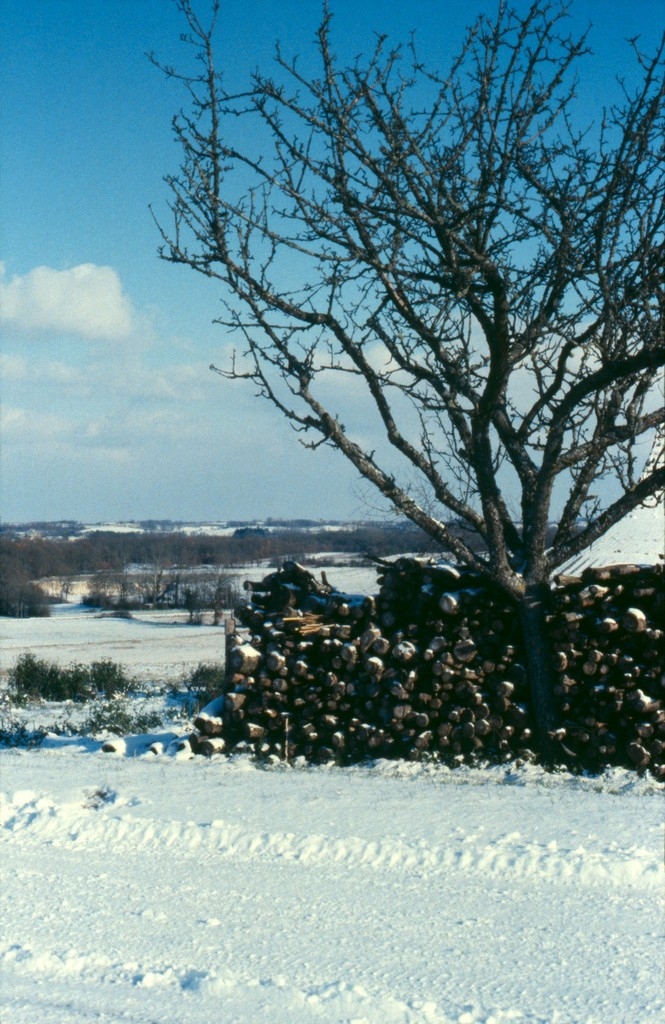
(109, 410)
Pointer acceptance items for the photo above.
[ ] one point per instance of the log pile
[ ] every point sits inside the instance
(433, 665)
(610, 658)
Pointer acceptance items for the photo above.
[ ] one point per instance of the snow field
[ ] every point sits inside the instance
(152, 888)
(156, 646)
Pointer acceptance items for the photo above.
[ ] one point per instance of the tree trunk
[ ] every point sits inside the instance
(532, 612)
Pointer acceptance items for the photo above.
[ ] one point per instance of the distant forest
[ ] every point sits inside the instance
(27, 559)
(40, 556)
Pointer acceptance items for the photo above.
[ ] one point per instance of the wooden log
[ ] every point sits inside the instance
(634, 620)
(275, 661)
(404, 651)
(209, 720)
(444, 732)
(641, 702)
(449, 604)
(210, 745)
(610, 572)
(117, 745)
(233, 701)
(185, 746)
(638, 754)
(374, 666)
(253, 731)
(368, 638)
(562, 580)
(349, 653)
(465, 650)
(444, 673)
(424, 740)
(656, 748)
(504, 688)
(244, 658)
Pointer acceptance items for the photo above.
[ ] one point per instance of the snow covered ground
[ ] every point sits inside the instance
(153, 645)
(160, 889)
(154, 889)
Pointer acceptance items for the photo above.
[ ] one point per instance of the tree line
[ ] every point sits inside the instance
(24, 561)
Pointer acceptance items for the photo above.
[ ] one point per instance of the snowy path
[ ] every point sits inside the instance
(214, 890)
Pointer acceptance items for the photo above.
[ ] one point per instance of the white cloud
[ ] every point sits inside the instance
(28, 427)
(12, 367)
(86, 300)
(15, 369)
(12, 419)
(175, 383)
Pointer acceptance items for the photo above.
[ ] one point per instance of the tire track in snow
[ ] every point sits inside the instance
(332, 1001)
(220, 990)
(36, 819)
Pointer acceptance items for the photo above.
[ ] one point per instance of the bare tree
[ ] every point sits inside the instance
(486, 265)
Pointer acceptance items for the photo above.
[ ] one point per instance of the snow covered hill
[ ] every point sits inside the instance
(154, 888)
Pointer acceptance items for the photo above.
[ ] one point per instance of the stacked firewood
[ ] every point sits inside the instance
(429, 664)
(433, 664)
(610, 658)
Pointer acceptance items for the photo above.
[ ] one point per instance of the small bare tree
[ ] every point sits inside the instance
(486, 265)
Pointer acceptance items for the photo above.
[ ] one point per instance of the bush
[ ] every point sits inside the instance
(206, 680)
(204, 684)
(109, 678)
(119, 605)
(15, 733)
(32, 678)
(120, 717)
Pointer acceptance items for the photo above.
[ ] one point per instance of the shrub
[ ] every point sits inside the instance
(207, 680)
(120, 717)
(32, 678)
(204, 684)
(109, 678)
(121, 607)
(15, 733)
